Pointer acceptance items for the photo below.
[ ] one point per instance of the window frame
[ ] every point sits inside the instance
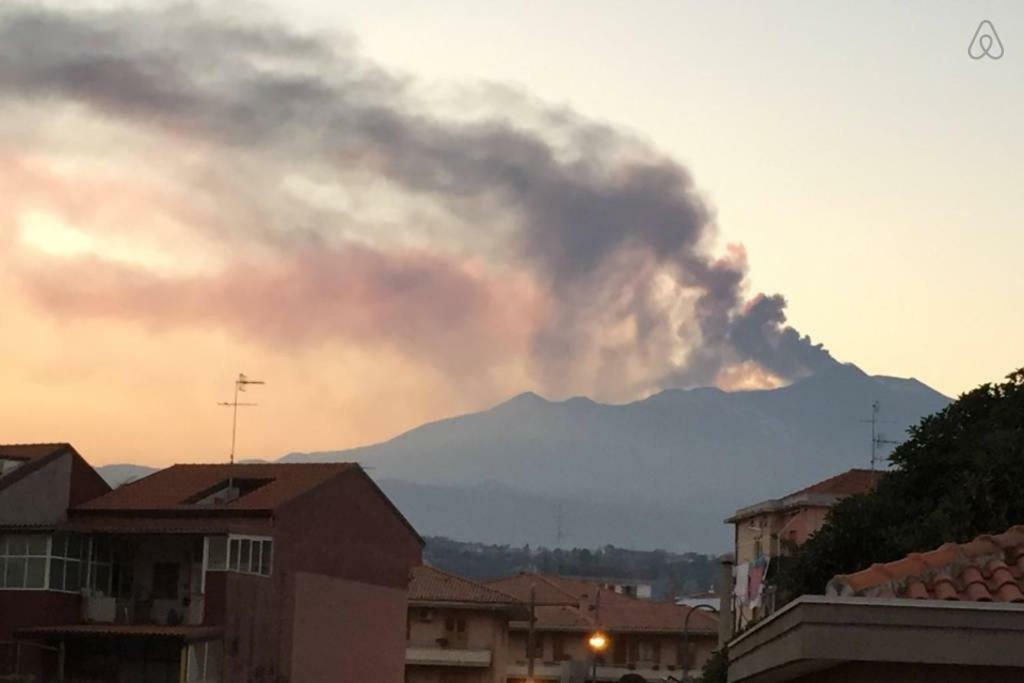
(258, 553)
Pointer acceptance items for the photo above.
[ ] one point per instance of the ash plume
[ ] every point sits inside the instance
(535, 233)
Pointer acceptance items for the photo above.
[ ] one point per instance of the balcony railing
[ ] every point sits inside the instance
(110, 610)
(437, 656)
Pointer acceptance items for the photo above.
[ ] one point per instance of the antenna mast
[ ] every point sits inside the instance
(877, 439)
(240, 384)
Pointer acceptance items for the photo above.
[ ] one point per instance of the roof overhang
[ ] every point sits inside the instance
(515, 609)
(613, 630)
(800, 500)
(187, 634)
(814, 633)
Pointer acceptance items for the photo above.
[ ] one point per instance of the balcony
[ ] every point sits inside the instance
(437, 656)
(104, 609)
(548, 671)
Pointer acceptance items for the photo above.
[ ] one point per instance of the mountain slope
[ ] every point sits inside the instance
(676, 463)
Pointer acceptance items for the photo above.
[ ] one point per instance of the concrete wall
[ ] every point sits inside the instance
(868, 672)
(347, 632)
(41, 497)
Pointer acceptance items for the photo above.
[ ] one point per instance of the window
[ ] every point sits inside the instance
(101, 569)
(648, 651)
(204, 661)
(68, 562)
(243, 554)
(23, 561)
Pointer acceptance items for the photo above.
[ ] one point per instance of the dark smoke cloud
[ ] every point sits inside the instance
(615, 235)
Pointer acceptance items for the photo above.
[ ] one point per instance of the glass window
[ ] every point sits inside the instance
(23, 561)
(233, 560)
(265, 558)
(243, 558)
(35, 572)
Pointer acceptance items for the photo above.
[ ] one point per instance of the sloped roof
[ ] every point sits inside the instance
(989, 568)
(31, 451)
(428, 584)
(33, 457)
(573, 605)
(850, 483)
(169, 490)
(822, 494)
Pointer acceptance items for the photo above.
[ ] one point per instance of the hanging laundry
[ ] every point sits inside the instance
(741, 587)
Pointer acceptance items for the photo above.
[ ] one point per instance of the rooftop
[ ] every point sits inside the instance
(30, 451)
(822, 494)
(573, 605)
(192, 488)
(433, 585)
(989, 568)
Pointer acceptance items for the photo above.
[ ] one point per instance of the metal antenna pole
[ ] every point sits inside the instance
(240, 385)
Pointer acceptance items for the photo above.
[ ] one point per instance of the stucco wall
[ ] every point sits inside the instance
(485, 630)
(41, 497)
(347, 631)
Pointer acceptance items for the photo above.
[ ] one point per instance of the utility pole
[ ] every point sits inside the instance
(240, 384)
(531, 645)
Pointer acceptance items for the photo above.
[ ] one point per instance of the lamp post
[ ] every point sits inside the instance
(598, 643)
(686, 633)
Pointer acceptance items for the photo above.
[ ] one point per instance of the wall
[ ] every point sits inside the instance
(870, 672)
(344, 529)
(86, 483)
(25, 609)
(485, 630)
(40, 497)
(346, 631)
(574, 645)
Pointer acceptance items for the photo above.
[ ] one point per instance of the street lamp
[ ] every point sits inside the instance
(686, 633)
(598, 643)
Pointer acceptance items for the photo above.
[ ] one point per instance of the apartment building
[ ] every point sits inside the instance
(200, 573)
(458, 629)
(647, 638)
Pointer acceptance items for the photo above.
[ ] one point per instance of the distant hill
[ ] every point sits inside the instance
(118, 475)
(660, 472)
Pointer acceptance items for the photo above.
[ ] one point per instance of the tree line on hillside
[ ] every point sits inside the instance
(671, 574)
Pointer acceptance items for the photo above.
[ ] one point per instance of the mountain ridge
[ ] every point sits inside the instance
(662, 471)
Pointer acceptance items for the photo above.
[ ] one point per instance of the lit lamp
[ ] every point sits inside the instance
(598, 643)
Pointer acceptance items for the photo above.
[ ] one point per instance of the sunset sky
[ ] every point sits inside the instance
(394, 212)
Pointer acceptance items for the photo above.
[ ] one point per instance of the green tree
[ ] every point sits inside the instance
(716, 669)
(960, 474)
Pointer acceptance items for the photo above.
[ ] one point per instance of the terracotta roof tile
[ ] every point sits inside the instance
(428, 584)
(572, 605)
(989, 568)
(169, 490)
(850, 483)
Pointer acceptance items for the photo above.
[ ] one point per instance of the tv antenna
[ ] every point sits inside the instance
(877, 438)
(240, 384)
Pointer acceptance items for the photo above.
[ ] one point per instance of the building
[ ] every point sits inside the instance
(457, 629)
(952, 614)
(236, 573)
(768, 529)
(634, 588)
(648, 638)
(38, 484)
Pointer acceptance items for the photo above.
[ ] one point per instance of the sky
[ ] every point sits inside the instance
(393, 212)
